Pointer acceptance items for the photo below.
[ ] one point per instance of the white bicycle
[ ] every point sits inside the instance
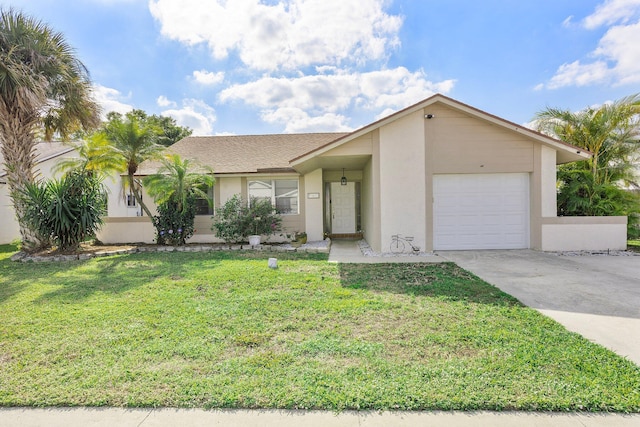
(398, 244)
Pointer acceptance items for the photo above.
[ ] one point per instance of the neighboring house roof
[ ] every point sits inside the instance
(237, 154)
(566, 152)
(44, 151)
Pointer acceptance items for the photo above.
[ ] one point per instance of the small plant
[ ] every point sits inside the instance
(236, 219)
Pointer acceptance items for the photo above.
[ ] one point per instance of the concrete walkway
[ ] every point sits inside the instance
(109, 417)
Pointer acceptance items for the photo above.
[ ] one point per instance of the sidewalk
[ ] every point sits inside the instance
(108, 417)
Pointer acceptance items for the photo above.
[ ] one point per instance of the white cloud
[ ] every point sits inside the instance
(163, 101)
(297, 120)
(372, 90)
(195, 114)
(111, 100)
(568, 21)
(320, 102)
(613, 11)
(282, 34)
(616, 59)
(205, 77)
(578, 74)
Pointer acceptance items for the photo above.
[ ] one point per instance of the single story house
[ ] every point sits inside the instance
(451, 176)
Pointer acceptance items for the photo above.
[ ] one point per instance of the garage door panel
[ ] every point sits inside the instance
(481, 211)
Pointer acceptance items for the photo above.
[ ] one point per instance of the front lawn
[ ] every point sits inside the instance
(223, 330)
(633, 245)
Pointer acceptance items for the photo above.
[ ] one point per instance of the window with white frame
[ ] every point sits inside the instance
(282, 193)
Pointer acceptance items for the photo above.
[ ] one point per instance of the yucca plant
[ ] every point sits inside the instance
(67, 211)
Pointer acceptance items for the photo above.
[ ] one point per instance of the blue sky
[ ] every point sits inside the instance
(274, 66)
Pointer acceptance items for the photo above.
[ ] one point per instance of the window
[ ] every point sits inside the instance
(131, 201)
(282, 193)
(202, 205)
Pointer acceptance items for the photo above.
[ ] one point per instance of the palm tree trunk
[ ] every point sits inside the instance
(17, 144)
(136, 189)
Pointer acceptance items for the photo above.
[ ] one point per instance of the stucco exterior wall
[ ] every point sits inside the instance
(402, 180)
(9, 231)
(127, 230)
(464, 144)
(358, 146)
(313, 184)
(549, 195)
(584, 233)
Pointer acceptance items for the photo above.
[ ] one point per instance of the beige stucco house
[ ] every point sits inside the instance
(449, 175)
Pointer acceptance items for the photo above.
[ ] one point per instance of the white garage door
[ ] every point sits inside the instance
(481, 211)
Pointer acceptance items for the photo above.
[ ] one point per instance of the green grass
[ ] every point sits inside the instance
(222, 330)
(633, 245)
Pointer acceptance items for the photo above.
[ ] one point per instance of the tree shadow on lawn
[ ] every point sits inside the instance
(77, 280)
(439, 280)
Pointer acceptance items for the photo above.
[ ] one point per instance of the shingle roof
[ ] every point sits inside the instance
(246, 153)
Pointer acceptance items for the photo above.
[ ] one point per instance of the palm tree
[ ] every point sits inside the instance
(177, 179)
(130, 144)
(611, 132)
(43, 87)
(175, 187)
(95, 158)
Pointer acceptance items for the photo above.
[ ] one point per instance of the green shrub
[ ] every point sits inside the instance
(175, 226)
(262, 218)
(227, 222)
(67, 211)
(237, 219)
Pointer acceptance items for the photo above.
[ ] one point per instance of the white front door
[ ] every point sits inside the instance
(343, 208)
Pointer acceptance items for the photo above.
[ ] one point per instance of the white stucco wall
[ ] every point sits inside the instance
(402, 180)
(549, 206)
(228, 186)
(127, 230)
(598, 233)
(9, 231)
(313, 206)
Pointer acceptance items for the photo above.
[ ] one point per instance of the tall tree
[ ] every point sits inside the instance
(611, 133)
(44, 88)
(130, 144)
(169, 132)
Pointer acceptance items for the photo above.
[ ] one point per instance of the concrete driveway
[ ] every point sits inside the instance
(595, 296)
